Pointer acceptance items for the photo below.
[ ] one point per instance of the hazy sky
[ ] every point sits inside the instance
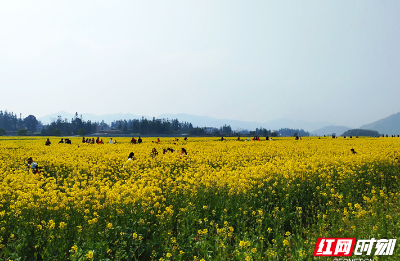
(335, 61)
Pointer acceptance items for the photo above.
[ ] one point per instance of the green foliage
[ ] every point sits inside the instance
(81, 132)
(56, 132)
(30, 123)
(2, 132)
(196, 131)
(361, 132)
(22, 132)
(8, 121)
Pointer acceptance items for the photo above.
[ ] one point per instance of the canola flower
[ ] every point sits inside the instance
(259, 200)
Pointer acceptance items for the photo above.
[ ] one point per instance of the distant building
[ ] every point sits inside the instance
(110, 131)
(209, 129)
(39, 127)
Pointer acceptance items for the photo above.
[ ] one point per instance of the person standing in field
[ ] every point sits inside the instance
(111, 141)
(139, 140)
(47, 142)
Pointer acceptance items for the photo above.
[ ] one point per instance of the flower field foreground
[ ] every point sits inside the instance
(230, 200)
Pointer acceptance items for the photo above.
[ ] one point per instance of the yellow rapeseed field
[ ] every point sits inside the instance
(225, 200)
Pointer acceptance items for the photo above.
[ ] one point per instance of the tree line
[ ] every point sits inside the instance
(143, 126)
(361, 132)
(154, 126)
(10, 122)
(77, 126)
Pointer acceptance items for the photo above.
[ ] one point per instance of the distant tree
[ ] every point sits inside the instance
(286, 132)
(22, 132)
(44, 132)
(295, 134)
(30, 123)
(2, 132)
(361, 132)
(81, 132)
(8, 121)
(20, 124)
(125, 127)
(56, 132)
(196, 131)
(226, 129)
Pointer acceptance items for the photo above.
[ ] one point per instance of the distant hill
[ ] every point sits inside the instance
(200, 121)
(389, 125)
(205, 121)
(329, 130)
(296, 124)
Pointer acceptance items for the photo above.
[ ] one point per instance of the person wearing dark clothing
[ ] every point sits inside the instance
(183, 152)
(61, 141)
(139, 140)
(130, 160)
(131, 156)
(47, 142)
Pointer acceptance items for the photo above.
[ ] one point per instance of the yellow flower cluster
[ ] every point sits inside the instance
(93, 182)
